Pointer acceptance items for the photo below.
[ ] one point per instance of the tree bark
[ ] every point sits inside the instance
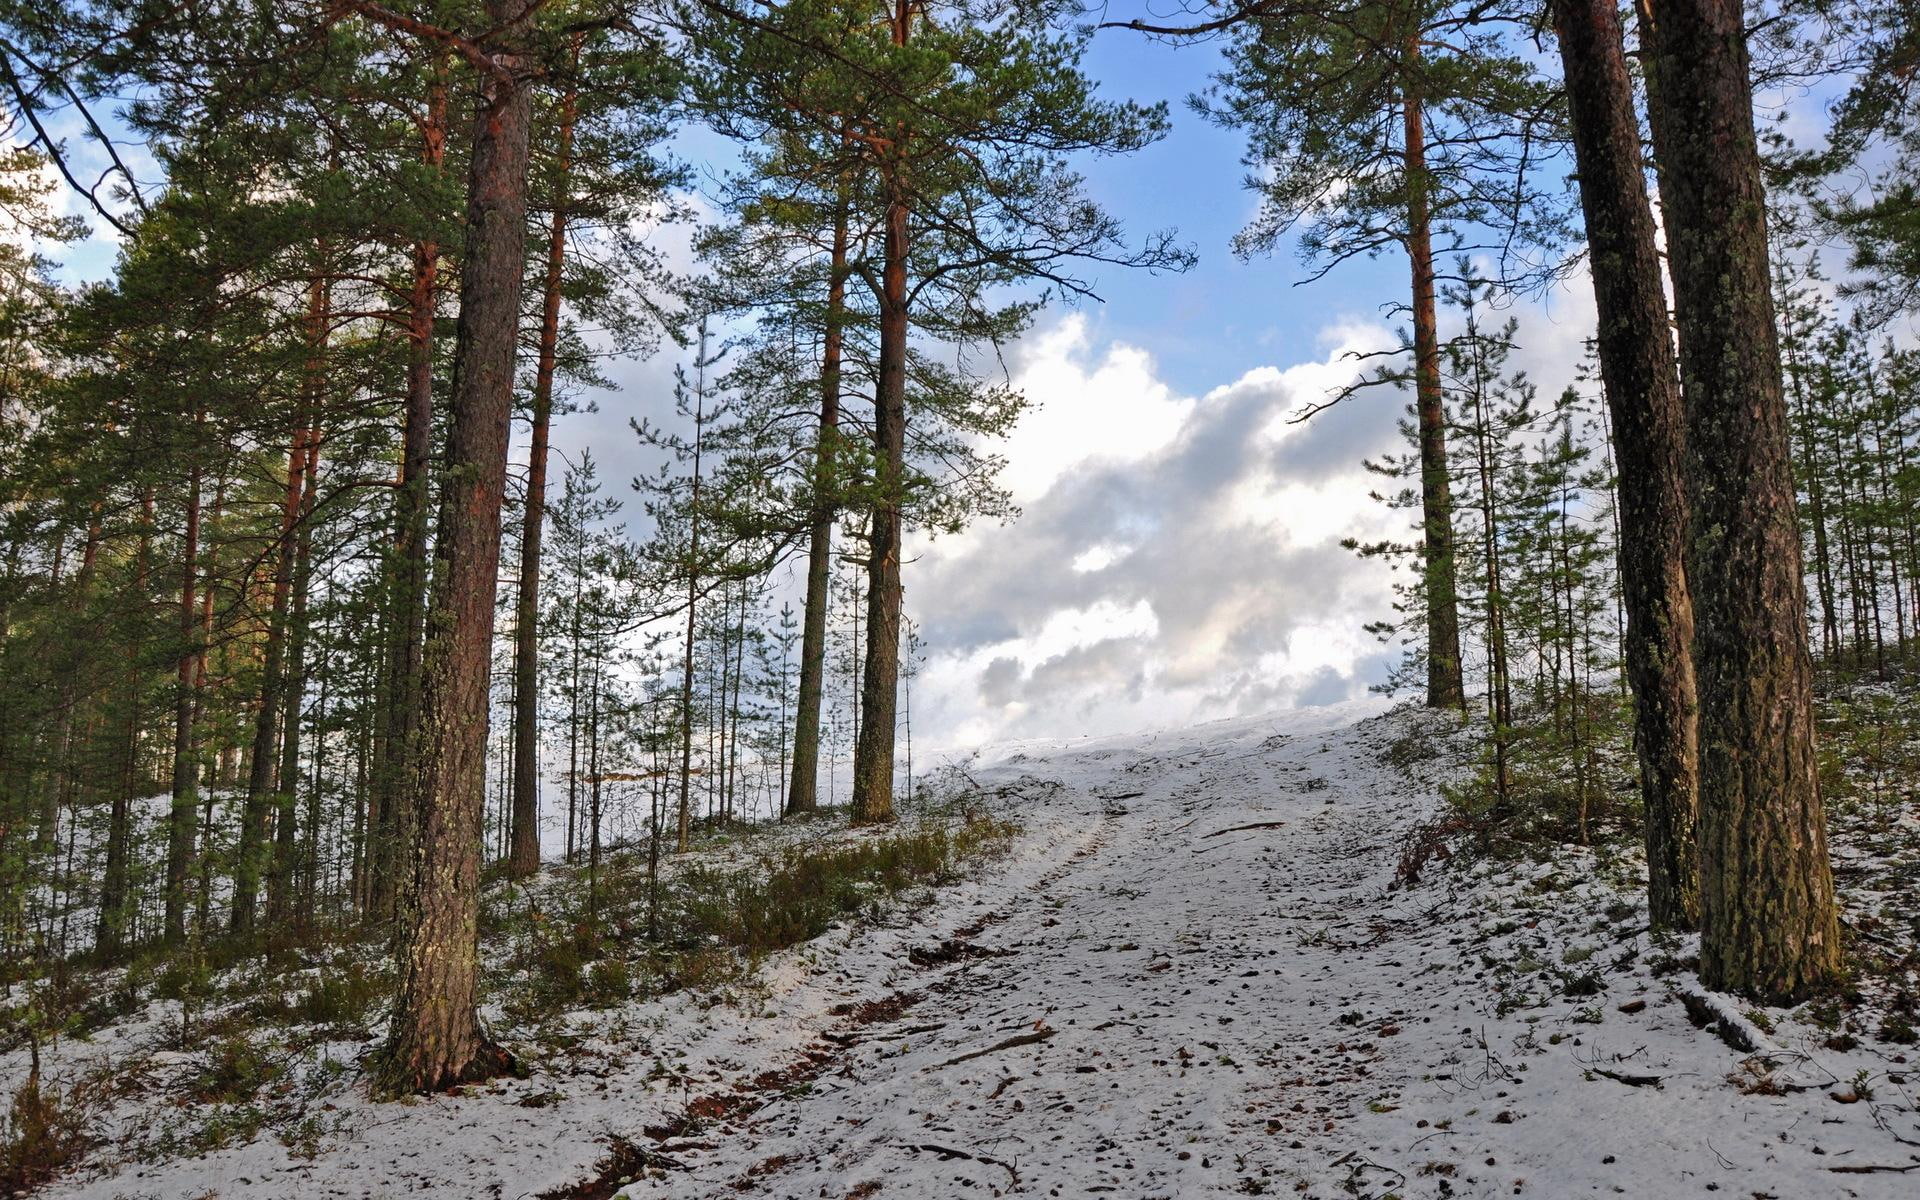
(524, 857)
(1768, 926)
(802, 793)
(436, 1040)
(1649, 436)
(1446, 686)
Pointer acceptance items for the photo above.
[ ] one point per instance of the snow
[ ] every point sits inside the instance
(1193, 976)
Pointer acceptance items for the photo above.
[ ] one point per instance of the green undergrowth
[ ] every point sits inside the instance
(247, 1041)
(713, 917)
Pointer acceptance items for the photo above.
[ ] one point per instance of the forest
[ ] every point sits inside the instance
(353, 736)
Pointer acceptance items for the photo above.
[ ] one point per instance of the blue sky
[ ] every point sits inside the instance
(1226, 315)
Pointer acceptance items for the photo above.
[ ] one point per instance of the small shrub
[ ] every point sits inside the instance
(43, 1134)
(339, 995)
(609, 981)
(236, 1069)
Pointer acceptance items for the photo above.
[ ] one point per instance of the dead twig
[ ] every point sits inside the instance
(1018, 1040)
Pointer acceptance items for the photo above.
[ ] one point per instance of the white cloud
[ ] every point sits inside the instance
(1177, 558)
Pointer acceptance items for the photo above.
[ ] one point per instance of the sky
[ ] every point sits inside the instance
(1177, 556)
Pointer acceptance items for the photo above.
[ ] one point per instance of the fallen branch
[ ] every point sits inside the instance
(1018, 1040)
(1239, 828)
(1874, 1169)
(1629, 1080)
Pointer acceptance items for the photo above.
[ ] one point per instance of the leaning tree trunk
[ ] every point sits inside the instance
(1446, 686)
(1649, 435)
(802, 793)
(1768, 926)
(524, 856)
(435, 1040)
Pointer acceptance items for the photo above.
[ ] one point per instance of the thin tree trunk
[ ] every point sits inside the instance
(1649, 437)
(286, 842)
(116, 882)
(1446, 686)
(181, 815)
(802, 792)
(392, 825)
(436, 1041)
(685, 831)
(524, 857)
(259, 807)
(1768, 926)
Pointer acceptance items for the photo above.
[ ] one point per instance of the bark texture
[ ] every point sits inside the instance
(1649, 436)
(1768, 926)
(436, 1040)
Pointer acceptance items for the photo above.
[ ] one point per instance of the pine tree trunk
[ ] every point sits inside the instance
(524, 857)
(181, 815)
(286, 843)
(873, 751)
(391, 824)
(1446, 686)
(1768, 926)
(1811, 476)
(258, 811)
(802, 793)
(1649, 438)
(435, 1040)
(116, 881)
(684, 831)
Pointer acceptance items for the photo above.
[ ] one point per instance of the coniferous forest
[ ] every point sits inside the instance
(394, 796)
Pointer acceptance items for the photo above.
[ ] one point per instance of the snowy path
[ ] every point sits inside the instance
(1218, 994)
(1184, 970)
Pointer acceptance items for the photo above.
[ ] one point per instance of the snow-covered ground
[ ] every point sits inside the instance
(1191, 977)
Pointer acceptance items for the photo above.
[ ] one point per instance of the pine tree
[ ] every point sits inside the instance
(1388, 124)
(1768, 925)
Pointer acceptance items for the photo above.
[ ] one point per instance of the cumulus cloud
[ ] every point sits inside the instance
(1177, 558)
